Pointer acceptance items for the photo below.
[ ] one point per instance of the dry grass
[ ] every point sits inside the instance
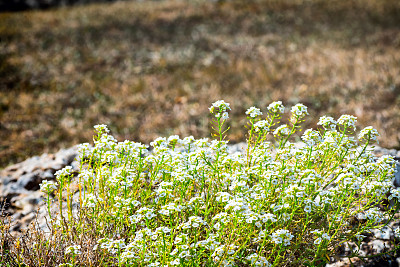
(152, 68)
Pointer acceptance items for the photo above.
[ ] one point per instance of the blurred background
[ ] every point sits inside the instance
(152, 68)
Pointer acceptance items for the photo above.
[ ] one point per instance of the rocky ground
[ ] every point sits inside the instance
(24, 203)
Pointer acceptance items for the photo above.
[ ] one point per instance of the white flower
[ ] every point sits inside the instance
(368, 134)
(193, 222)
(276, 107)
(84, 149)
(360, 237)
(221, 105)
(311, 137)
(223, 197)
(307, 208)
(394, 192)
(188, 140)
(397, 232)
(327, 122)
(101, 128)
(348, 121)
(326, 236)
(159, 142)
(318, 241)
(268, 217)
(372, 214)
(250, 217)
(282, 130)
(175, 262)
(253, 112)
(261, 126)
(147, 212)
(90, 200)
(224, 116)
(173, 139)
(221, 250)
(47, 186)
(64, 172)
(257, 260)
(163, 229)
(236, 205)
(282, 236)
(299, 111)
(86, 175)
(184, 254)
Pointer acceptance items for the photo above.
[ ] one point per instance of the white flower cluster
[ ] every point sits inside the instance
(84, 150)
(371, 214)
(397, 232)
(327, 122)
(173, 140)
(282, 130)
(258, 261)
(222, 107)
(222, 250)
(112, 246)
(48, 187)
(190, 202)
(105, 143)
(101, 128)
(276, 107)
(210, 243)
(368, 134)
(253, 112)
(311, 137)
(193, 222)
(394, 193)
(141, 214)
(299, 111)
(164, 189)
(282, 236)
(170, 209)
(347, 121)
(261, 126)
(320, 236)
(66, 171)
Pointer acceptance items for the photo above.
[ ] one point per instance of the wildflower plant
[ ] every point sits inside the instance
(188, 202)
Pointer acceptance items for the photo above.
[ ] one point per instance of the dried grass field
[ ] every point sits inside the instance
(153, 68)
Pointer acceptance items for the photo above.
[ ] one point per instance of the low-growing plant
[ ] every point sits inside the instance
(193, 202)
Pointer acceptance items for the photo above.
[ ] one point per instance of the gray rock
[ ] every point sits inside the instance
(378, 245)
(20, 183)
(396, 181)
(385, 233)
(48, 175)
(27, 203)
(30, 181)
